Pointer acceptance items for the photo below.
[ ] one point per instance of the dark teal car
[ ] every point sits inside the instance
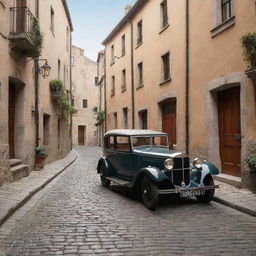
(142, 160)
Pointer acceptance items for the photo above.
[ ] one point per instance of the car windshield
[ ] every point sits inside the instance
(150, 141)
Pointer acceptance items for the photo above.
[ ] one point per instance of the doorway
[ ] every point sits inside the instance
(81, 135)
(230, 131)
(169, 119)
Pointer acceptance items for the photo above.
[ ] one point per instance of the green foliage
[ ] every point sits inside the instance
(36, 36)
(56, 85)
(99, 114)
(41, 151)
(248, 42)
(251, 161)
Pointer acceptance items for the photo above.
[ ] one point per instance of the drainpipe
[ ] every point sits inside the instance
(70, 87)
(105, 85)
(132, 77)
(187, 119)
(36, 67)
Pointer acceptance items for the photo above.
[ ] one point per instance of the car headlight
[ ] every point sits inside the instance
(168, 164)
(198, 163)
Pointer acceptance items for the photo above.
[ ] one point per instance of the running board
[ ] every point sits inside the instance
(118, 181)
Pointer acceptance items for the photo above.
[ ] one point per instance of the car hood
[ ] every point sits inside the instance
(157, 151)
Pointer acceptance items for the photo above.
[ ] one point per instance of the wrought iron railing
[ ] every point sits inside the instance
(21, 20)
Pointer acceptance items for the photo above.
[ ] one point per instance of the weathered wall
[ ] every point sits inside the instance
(84, 72)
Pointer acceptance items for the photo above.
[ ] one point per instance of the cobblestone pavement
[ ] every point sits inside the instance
(75, 215)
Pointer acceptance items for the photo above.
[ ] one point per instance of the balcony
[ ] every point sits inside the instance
(23, 34)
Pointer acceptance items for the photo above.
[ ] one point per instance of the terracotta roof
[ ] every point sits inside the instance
(134, 10)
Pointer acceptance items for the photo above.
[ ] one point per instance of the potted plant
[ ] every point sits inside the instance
(57, 88)
(41, 155)
(248, 42)
(251, 161)
(99, 115)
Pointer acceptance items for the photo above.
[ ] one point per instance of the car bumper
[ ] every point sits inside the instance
(179, 190)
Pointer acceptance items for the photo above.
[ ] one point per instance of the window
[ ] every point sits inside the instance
(123, 143)
(139, 32)
(85, 103)
(52, 20)
(113, 86)
(46, 129)
(72, 61)
(123, 87)
(125, 118)
(226, 9)
(112, 54)
(140, 74)
(64, 74)
(166, 67)
(115, 120)
(164, 13)
(143, 116)
(123, 45)
(59, 67)
(110, 142)
(67, 35)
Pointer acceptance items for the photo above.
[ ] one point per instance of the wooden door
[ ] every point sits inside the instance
(11, 121)
(169, 119)
(81, 135)
(21, 16)
(230, 131)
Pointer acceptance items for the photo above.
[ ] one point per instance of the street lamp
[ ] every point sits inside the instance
(45, 69)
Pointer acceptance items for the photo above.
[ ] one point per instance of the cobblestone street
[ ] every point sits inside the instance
(75, 215)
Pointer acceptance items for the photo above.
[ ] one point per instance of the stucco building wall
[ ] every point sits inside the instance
(84, 71)
(17, 69)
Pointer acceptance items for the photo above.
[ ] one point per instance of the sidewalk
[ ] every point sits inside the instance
(241, 199)
(14, 195)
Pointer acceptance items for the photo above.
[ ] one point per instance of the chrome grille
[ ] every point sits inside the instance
(181, 172)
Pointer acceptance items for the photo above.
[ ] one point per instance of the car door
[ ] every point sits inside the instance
(123, 157)
(110, 153)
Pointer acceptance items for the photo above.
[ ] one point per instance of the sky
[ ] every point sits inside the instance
(93, 20)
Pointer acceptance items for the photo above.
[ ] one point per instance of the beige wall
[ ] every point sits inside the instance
(20, 69)
(216, 63)
(84, 72)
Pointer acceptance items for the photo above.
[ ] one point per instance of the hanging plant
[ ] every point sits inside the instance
(248, 42)
(99, 114)
(36, 36)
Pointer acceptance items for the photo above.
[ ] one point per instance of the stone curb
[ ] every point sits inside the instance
(19, 204)
(234, 206)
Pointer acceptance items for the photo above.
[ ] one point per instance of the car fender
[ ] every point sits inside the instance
(154, 174)
(208, 168)
(102, 161)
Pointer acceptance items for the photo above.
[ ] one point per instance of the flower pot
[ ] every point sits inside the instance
(40, 159)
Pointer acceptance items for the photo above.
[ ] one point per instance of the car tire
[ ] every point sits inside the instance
(105, 182)
(208, 196)
(149, 193)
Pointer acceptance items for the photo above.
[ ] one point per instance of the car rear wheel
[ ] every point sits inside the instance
(105, 182)
(149, 193)
(208, 196)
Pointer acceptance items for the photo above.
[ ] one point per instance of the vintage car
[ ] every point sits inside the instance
(143, 160)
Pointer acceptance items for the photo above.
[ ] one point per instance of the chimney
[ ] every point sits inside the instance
(127, 8)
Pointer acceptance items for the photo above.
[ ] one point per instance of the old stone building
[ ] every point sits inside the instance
(177, 66)
(102, 91)
(85, 98)
(28, 115)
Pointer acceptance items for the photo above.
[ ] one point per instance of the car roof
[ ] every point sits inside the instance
(133, 132)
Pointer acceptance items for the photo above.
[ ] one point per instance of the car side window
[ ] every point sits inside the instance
(123, 143)
(110, 142)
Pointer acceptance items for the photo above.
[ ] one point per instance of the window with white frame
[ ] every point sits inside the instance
(226, 9)
(164, 13)
(123, 45)
(140, 74)
(166, 67)
(139, 32)
(123, 86)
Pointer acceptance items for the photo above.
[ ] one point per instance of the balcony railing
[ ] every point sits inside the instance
(21, 31)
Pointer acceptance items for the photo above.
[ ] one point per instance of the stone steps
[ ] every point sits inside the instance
(18, 170)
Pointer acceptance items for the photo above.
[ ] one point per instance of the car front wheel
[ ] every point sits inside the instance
(149, 193)
(105, 182)
(208, 196)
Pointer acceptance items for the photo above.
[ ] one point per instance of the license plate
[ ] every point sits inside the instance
(192, 193)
